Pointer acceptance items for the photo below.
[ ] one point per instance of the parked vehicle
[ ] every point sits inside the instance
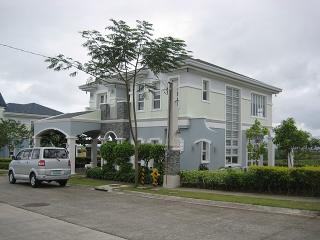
(40, 164)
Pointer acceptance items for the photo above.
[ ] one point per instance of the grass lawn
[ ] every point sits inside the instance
(304, 205)
(82, 180)
(3, 172)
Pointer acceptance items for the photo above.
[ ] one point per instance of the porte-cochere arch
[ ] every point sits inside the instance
(71, 125)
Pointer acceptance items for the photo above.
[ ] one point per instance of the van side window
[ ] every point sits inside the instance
(19, 155)
(35, 154)
(26, 154)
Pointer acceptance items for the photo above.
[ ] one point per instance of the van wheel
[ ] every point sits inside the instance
(12, 179)
(33, 181)
(63, 183)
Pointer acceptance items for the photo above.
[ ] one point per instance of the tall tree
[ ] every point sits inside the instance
(119, 55)
(255, 135)
(288, 138)
(13, 133)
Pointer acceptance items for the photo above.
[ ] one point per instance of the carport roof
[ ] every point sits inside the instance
(70, 115)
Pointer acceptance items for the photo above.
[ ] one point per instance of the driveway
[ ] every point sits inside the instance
(131, 216)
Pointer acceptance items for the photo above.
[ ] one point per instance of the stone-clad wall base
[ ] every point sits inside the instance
(121, 129)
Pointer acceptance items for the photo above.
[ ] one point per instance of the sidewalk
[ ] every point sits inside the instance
(17, 223)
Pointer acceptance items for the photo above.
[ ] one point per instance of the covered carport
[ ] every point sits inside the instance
(72, 125)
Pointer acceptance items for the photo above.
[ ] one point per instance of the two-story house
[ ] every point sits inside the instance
(215, 108)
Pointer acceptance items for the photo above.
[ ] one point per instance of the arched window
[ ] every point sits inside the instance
(205, 146)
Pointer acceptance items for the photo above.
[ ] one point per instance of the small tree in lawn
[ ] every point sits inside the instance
(288, 138)
(314, 143)
(119, 56)
(255, 135)
(13, 133)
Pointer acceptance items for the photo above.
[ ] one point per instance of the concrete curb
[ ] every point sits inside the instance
(229, 205)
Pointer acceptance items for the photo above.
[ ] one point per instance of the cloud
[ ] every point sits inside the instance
(273, 41)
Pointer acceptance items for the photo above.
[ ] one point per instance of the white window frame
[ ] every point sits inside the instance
(155, 139)
(153, 100)
(138, 93)
(239, 139)
(208, 142)
(207, 91)
(257, 98)
(207, 152)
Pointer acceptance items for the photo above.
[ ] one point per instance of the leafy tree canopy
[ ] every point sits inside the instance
(255, 135)
(53, 138)
(12, 133)
(288, 136)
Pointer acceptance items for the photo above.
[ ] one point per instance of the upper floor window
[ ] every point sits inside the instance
(140, 97)
(156, 96)
(258, 105)
(205, 90)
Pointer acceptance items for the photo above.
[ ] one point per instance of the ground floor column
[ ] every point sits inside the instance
(36, 141)
(94, 147)
(71, 146)
(271, 152)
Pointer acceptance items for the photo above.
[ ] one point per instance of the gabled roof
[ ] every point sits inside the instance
(31, 108)
(2, 102)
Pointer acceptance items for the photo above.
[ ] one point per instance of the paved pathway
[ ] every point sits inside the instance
(135, 217)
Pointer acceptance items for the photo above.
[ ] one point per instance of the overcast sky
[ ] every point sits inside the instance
(277, 42)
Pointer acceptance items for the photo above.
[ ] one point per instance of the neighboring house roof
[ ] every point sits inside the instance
(2, 102)
(31, 108)
(69, 115)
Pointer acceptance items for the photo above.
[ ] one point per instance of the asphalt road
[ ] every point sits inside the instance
(104, 215)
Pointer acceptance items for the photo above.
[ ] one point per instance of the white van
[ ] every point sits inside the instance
(40, 164)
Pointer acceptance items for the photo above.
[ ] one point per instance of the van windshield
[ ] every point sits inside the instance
(55, 153)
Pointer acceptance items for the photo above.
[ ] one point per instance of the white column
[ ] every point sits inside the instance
(94, 144)
(36, 141)
(261, 160)
(271, 152)
(71, 146)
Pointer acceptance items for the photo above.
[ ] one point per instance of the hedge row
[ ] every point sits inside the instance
(298, 181)
(4, 163)
(113, 175)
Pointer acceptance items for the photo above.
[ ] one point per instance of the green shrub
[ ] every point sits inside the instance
(5, 160)
(123, 152)
(95, 173)
(299, 181)
(107, 151)
(4, 165)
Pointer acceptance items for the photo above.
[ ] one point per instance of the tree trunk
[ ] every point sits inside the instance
(291, 158)
(136, 166)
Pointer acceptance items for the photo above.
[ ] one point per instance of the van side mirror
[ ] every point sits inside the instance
(13, 157)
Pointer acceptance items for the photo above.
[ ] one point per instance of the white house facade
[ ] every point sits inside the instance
(215, 108)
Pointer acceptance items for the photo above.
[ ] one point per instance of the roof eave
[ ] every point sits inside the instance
(220, 71)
